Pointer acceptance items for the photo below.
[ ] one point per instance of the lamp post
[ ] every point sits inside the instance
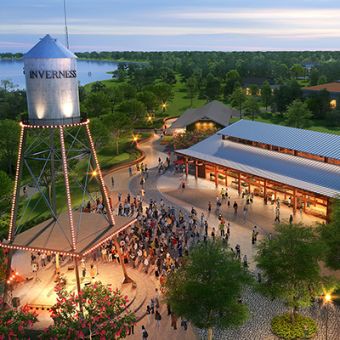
(327, 300)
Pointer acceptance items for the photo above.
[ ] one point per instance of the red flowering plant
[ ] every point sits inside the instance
(13, 322)
(98, 312)
(189, 138)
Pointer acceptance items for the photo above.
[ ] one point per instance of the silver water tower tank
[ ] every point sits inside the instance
(51, 84)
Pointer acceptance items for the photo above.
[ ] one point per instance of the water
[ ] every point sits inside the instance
(88, 71)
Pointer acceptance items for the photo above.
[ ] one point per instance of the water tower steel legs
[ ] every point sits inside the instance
(69, 203)
(14, 208)
(96, 166)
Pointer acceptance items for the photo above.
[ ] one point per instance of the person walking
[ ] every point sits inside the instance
(291, 219)
(235, 206)
(145, 334)
(173, 321)
(158, 318)
(184, 324)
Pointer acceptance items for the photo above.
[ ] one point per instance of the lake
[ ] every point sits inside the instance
(88, 71)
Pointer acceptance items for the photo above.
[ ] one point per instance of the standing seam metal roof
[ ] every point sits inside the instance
(309, 175)
(317, 143)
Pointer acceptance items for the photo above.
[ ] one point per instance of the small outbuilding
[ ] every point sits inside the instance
(213, 116)
(332, 88)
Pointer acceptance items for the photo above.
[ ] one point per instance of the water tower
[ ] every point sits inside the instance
(57, 156)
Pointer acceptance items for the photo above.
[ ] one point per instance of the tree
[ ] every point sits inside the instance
(100, 132)
(251, 107)
(298, 115)
(191, 85)
(237, 99)
(297, 70)
(98, 86)
(318, 103)
(13, 322)
(163, 92)
(7, 84)
(133, 108)
(254, 89)
(97, 103)
(286, 94)
(212, 87)
(5, 184)
(206, 288)
(117, 123)
(149, 99)
(104, 314)
(289, 262)
(9, 139)
(330, 234)
(233, 80)
(266, 94)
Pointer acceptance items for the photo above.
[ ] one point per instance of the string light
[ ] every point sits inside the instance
(109, 237)
(67, 185)
(45, 251)
(107, 203)
(16, 179)
(32, 126)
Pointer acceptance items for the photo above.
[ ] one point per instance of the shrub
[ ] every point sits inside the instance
(303, 327)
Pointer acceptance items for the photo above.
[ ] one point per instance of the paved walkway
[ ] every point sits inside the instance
(198, 194)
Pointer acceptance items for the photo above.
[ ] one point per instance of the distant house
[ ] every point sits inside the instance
(214, 115)
(332, 88)
(247, 84)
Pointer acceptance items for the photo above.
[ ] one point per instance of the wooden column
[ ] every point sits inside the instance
(304, 203)
(328, 210)
(216, 177)
(196, 169)
(226, 177)
(239, 183)
(186, 167)
(295, 201)
(264, 188)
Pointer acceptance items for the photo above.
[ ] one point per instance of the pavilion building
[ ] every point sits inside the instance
(212, 116)
(301, 167)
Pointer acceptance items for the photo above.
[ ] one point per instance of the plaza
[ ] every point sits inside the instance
(197, 193)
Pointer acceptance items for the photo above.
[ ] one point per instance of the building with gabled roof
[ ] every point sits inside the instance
(214, 115)
(300, 167)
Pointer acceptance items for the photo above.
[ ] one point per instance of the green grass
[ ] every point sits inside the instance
(181, 101)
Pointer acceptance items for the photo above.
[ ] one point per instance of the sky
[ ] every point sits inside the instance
(173, 25)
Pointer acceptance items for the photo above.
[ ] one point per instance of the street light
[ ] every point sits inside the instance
(163, 107)
(94, 173)
(327, 300)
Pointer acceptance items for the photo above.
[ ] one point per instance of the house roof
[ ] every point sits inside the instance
(330, 87)
(309, 175)
(48, 48)
(214, 110)
(316, 143)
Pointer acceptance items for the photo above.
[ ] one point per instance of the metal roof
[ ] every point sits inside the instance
(316, 143)
(309, 175)
(214, 110)
(49, 48)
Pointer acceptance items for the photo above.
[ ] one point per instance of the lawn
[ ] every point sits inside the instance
(181, 101)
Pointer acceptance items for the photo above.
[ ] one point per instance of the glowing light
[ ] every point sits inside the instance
(135, 139)
(67, 186)
(94, 173)
(40, 110)
(67, 108)
(328, 298)
(101, 180)
(332, 104)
